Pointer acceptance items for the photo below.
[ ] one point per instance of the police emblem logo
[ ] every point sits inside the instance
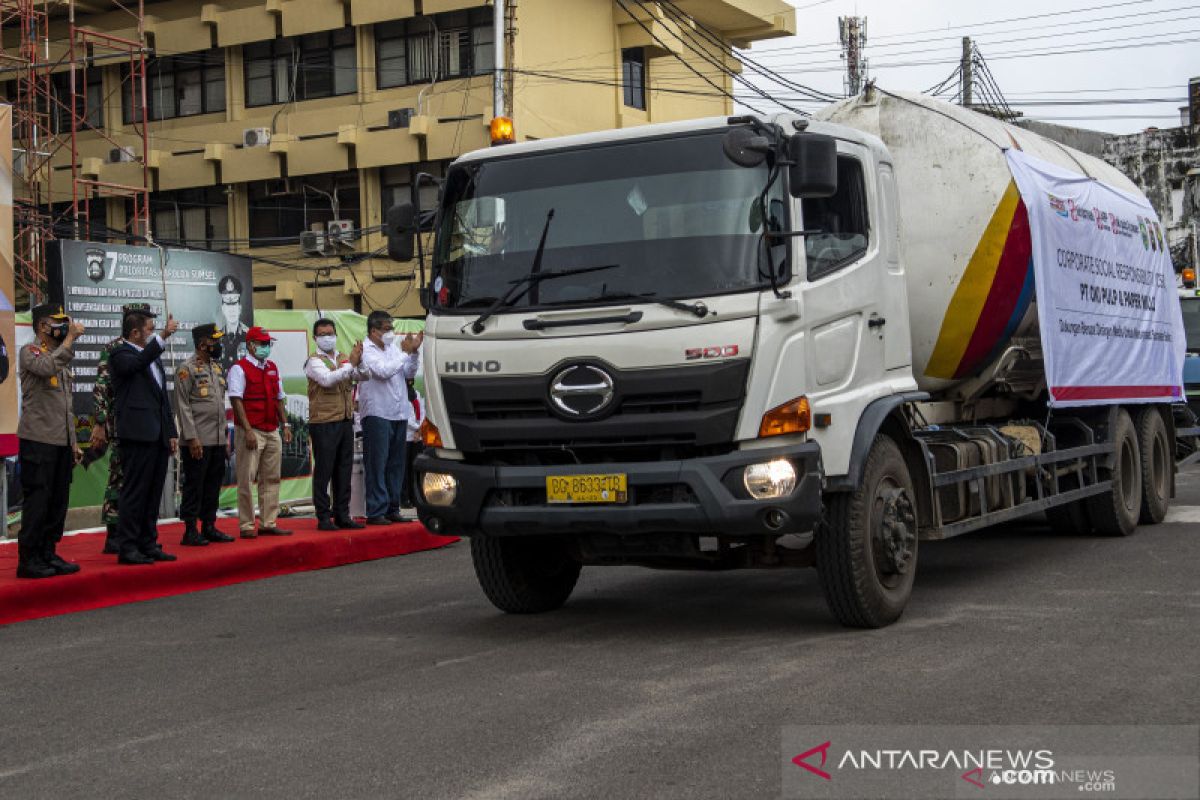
(95, 264)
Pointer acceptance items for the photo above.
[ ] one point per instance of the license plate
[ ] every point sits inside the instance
(611, 488)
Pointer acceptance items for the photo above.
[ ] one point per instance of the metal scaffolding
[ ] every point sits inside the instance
(48, 55)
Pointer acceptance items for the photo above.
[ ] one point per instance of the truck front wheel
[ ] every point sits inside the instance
(1116, 512)
(866, 547)
(524, 575)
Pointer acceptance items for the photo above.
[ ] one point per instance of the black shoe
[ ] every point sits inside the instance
(394, 516)
(350, 524)
(60, 565)
(35, 568)
(134, 558)
(211, 534)
(378, 521)
(273, 532)
(110, 541)
(158, 554)
(192, 537)
(111, 549)
(326, 525)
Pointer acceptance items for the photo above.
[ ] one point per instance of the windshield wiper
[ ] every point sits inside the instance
(698, 308)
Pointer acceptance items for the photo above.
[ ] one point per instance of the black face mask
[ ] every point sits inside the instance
(215, 350)
(58, 332)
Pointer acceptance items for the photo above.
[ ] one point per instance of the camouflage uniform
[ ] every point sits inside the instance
(103, 397)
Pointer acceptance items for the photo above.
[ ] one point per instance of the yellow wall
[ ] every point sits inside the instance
(570, 40)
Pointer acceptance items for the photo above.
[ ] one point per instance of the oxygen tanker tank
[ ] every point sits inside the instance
(964, 234)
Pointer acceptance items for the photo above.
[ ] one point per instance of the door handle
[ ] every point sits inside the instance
(876, 322)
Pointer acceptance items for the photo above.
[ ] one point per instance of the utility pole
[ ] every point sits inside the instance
(853, 33)
(510, 37)
(967, 72)
(498, 47)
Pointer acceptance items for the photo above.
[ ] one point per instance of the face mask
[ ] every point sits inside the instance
(326, 343)
(58, 332)
(214, 350)
(263, 352)
(388, 338)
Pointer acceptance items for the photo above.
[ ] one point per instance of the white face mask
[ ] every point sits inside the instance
(326, 343)
(388, 338)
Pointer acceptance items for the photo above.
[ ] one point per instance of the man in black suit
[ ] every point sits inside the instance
(146, 435)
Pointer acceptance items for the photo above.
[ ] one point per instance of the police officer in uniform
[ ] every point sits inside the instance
(234, 328)
(48, 450)
(104, 431)
(200, 404)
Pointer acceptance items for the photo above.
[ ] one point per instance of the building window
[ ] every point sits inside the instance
(405, 51)
(397, 182)
(633, 76)
(191, 218)
(89, 105)
(179, 86)
(301, 67)
(840, 222)
(282, 209)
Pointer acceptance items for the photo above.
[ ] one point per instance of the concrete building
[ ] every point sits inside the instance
(269, 117)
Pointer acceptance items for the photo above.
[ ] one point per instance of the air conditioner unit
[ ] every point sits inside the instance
(340, 230)
(256, 137)
(121, 155)
(400, 117)
(312, 243)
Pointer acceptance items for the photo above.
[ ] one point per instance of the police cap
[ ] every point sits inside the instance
(206, 331)
(53, 311)
(229, 285)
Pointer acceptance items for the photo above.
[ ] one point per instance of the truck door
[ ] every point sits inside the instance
(854, 297)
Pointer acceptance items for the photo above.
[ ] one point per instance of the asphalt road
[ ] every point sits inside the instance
(397, 679)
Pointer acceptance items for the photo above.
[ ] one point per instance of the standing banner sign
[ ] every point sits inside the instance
(8, 333)
(1108, 309)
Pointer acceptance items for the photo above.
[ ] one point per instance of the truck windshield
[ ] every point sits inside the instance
(673, 217)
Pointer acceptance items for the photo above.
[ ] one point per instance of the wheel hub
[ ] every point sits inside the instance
(897, 532)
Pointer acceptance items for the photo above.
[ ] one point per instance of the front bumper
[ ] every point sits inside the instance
(702, 496)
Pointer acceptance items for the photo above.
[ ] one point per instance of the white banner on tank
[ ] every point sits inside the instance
(1111, 326)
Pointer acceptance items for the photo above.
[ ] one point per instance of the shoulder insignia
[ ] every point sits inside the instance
(36, 349)
(216, 368)
(183, 374)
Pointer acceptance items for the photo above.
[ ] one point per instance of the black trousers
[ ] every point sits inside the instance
(409, 492)
(145, 465)
(333, 459)
(46, 485)
(201, 483)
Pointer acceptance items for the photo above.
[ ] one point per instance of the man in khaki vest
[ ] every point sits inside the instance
(331, 425)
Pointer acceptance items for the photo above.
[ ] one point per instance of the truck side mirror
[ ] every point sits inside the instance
(813, 171)
(400, 228)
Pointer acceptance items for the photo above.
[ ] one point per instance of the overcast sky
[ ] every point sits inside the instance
(1038, 52)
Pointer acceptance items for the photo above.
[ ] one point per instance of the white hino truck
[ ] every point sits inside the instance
(772, 343)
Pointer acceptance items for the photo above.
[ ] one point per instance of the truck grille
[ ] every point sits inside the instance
(671, 412)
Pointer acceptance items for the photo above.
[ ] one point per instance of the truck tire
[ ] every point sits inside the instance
(1157, 451)
(1116, 512)
(524, 575)
(866, 547)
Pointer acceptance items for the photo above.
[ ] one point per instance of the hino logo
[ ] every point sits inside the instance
(581, 391)
(472, 366)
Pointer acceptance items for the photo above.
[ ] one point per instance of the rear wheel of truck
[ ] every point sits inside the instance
(1116, 512)
(866, 547)
(524, 575)
(1157, 452)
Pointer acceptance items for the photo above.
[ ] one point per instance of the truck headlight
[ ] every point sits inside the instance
(438, 488)
(770, 480)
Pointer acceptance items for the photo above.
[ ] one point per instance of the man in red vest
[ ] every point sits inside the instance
(259, 410)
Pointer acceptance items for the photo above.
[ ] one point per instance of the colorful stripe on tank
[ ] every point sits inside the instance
(992, 297)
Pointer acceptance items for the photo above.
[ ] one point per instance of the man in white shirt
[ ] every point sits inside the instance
(331, 377)
(387, 366)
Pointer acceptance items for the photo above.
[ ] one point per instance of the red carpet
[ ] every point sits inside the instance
(103, 582)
